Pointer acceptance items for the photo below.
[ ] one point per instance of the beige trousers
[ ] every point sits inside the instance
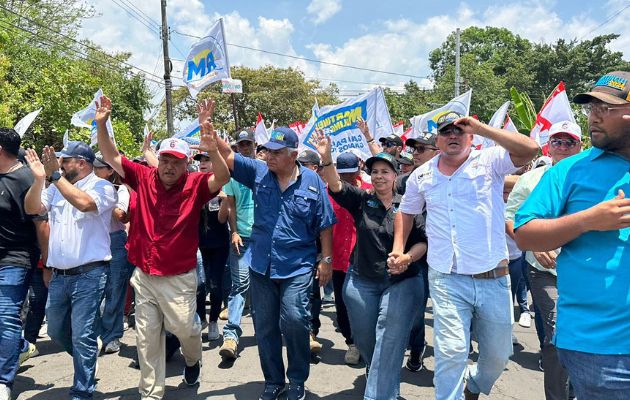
(164, 303)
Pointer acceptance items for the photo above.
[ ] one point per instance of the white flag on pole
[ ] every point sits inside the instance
(22, 126)
(426, 124)
(497, 121)
(207, 60)
(85, 119)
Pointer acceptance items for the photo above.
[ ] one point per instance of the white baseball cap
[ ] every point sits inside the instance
(569, 127)
(175, 147)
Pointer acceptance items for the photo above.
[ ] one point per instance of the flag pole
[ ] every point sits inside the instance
(236, 126)
(167, 72)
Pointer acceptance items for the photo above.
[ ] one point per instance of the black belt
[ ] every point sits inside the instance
(493, 273)
(81, 269)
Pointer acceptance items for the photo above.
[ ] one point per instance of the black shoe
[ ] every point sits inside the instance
(296, 392)
(540, 364)
(272, 392)
(191, 374)
(414, 362)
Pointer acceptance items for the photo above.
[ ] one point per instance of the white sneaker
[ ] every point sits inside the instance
(525, 320)
(5, 392)
(352, 356)
(125, 323)
(514, 340)
(213, 331)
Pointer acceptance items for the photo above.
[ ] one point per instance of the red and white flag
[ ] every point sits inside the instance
(556, 109)
(261, 134)
(399, 128)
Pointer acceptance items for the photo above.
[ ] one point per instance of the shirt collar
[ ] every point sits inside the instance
(596, 152)
(84, 180)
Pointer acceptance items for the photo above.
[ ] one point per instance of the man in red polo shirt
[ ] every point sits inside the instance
(163, 245)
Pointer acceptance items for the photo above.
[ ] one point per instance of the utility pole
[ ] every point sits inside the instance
(457, 50)
(168, 85)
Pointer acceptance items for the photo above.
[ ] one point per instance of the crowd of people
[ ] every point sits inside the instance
(265, 226)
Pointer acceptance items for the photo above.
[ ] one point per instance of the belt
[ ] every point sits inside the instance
(498, 272)
(81, 269)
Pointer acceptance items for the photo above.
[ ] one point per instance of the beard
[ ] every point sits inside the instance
(70, 175)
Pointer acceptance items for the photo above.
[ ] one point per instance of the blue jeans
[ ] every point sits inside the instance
(459, 300)
(519, 282)
(597, 376)
(239, 270)
(380, 332)
(14, 281)
(120, 270)
(73, 319)
(37, 297)
(280, 308)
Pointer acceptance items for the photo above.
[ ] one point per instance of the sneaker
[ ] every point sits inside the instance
(125, 323)
(27, 353)
(316, 347)
(223, 316)
(112, 347)
(99, 345)
(272, 392)
(414, 362)
(228, 349)
(213, 331)
(525, 320)
(352, 356)
(191, 374)
(5, 392)
(514, 340)
(296, 392)
(327, 299)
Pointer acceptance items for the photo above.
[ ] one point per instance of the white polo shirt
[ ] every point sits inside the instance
(78, 238)
(465, 221)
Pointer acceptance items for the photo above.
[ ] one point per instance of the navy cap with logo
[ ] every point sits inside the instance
(388, 158)
(282, 137)
(448, 119)
(245, 134)
(392, 138)
(309, 157)
(405, 158)
(347, 163)
(76, 149)
(612, 88)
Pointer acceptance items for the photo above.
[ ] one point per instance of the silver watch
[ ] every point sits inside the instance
(327, 260)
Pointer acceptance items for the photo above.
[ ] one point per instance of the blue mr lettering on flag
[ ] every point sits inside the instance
(201, 65)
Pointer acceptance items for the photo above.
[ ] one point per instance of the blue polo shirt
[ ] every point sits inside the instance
(593, 269)
(286, 224)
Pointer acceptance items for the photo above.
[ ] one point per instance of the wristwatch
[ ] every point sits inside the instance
(54, 177)
(327, 260)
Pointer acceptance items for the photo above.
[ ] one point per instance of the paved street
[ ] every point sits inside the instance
(49, 376)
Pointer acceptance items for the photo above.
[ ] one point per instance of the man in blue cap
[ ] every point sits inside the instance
(79, 205)
(292, 210)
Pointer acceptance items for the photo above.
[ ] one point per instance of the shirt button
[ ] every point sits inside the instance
(453, 226)
(449, 194)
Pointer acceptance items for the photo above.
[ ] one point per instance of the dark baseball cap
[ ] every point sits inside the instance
(405, 158)
(392, 138)
(448, 119)
(100, 163)
(427, 140)
(197, 157)
(245, 134)
(76, 149)
(388, 158)
(347, 163)
(309, 157)
(282, 137)
(612, 88)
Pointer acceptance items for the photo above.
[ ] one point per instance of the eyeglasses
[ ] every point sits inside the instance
(451, 130)
(568, 143)
(422, 149)
(599, 108)
(389, 144)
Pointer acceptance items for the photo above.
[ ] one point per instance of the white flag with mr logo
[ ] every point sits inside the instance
(207, 60)
(426, 124)
(85, 119)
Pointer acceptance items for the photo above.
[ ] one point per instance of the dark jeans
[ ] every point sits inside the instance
(213, 265)
(316, 307)
(37, 297)
(73, 322)
(597, 376)
(14, 281)
(120, 270)
(417, 337)
(519, 281)
(338, 278)
(280, 309)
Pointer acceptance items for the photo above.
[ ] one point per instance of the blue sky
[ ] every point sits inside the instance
(389, 35)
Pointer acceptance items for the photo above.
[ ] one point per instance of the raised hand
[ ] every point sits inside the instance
(208, 137)
(205, 109)
(146, 145)
(49, 159)
(469, 125)
(323, 145)
(363, 127)
(103, 110)
(36, 166)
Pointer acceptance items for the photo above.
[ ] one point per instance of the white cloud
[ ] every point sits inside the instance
(323, 10)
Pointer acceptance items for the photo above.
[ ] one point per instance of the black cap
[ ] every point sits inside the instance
(245, 134)
(405, 158)
(76, 149)
(100, 163)
(392, 138)
(448, 119)
(427, 140)
(309, 157)
(388, 158)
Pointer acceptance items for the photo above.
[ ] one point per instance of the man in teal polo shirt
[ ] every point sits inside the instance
(581, 205)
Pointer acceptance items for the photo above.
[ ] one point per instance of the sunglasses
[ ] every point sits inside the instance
(599, 108)
(422, 149)
(389, 144)
(568, 143)
(451, 130)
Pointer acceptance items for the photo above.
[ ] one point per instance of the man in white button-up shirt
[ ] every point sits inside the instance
(462, 190)
(79, 205)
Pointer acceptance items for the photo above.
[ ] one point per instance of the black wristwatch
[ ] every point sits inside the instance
(54, 177)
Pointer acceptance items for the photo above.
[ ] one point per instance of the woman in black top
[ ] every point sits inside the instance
(375, 281)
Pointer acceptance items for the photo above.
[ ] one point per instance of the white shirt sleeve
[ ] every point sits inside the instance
(47, 196)
(501, 161)
(123, 198)
(413, 200)
(104, 195)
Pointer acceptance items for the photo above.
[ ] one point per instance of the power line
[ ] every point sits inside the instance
(606, 21)
(144, 16)
(311, 59)
(132, 13)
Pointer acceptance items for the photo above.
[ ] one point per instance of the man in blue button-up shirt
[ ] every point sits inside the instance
(582, 205)
(291, 210)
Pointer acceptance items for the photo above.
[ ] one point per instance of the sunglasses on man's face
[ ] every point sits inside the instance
(390, 144)
(422, 149)
(568, 143)
(451, 130)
